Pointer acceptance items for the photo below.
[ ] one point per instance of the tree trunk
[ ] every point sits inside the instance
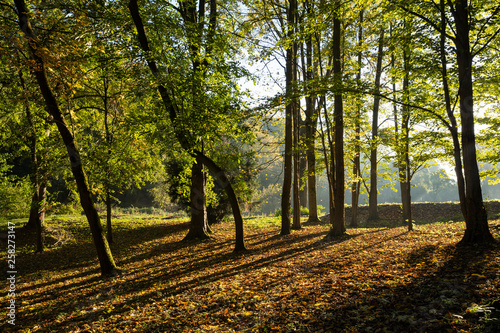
(404, 167)
(297, 175)
(311, 172)
(303, 165)
(404, 151)
(107, 263)
(476, 219)
(198, 226)
(402, 171)
(356, 167)
(373, 194)
(329, 160)
(36, 219)
(311, 121)
(403, 185)
(457, 152)
(287, 179)
(40, 216)
(329, 163)
(453, 128)
(296, 182)
(37, 208)
(109, 230)
(224, 182)
(408, 185)
(338, 219)
(31, 224)
(289, 114)
(296, 164)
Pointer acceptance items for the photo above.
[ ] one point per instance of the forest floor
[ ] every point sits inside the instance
(376, 278)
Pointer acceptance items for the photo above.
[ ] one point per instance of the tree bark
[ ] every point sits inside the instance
(109, 226)
(198, 228)
(32, 219)
(296, 163)
(289, 121)
(107, 263)
(405, 165)
(303, 195)
(311, 122)
(287, 179)
(338, 219)
(296, 128)
(36, 219)
(193, 23)
(453, 128)
(476, 219)
(404, 151)
(408, 185)
(42, 193)
(329, 160)
(356, 167)
(107, 189)
(224, 182)
(37, 208)
(311, 171)
(373, 194)
(296, 173)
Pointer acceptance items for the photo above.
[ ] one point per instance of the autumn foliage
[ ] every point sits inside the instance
(370, 280)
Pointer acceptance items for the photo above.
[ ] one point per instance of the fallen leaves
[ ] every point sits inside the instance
(373, 280)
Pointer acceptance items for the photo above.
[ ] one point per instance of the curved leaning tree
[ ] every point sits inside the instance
(190, 110)
(108, 266)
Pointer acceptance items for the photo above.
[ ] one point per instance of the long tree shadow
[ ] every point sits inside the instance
(186, 276)
(186, 271)
(438, 297)
(81, 253)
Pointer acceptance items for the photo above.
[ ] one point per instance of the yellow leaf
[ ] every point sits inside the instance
(478, 275)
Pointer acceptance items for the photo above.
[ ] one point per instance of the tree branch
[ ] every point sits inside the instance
(424, 18)
(493, 36)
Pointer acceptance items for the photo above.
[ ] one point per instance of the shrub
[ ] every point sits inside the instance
(303, 211)
(15, 197)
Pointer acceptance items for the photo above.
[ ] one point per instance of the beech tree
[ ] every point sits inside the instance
(373, 194)
(110, 101)
(456, 24)
(22, 124)
(39, 71)
(332, 138)
(193, 123)
(40, 173)
(310, 68)
(356, 165)
(337, 217)
(290, 120)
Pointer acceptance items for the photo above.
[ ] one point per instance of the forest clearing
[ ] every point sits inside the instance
(257, 139)
(383, 279)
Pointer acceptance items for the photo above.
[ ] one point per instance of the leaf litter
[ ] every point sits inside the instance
(370, 280)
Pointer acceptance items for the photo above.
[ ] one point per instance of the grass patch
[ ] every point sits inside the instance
(263, 222)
